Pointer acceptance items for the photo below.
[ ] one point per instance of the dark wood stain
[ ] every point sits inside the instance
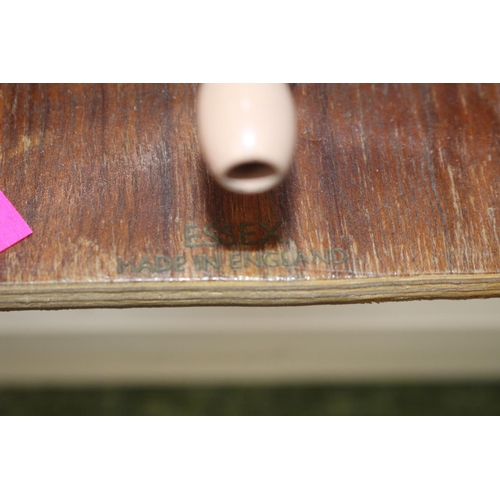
(404, 178)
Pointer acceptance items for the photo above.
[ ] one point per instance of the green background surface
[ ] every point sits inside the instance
(428, 399)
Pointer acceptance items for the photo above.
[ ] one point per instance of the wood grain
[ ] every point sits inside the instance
(394, 194)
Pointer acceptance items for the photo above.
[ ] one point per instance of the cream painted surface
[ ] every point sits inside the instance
(435, 340)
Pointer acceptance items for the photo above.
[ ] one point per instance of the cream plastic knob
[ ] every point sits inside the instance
(247, 133)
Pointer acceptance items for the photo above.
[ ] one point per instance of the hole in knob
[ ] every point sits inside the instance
(251, 170)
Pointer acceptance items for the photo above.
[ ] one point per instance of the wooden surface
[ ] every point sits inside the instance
(394, 194)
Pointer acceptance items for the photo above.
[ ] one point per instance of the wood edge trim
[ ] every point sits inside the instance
(245, 293)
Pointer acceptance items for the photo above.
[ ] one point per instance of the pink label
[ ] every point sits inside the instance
(12, 225)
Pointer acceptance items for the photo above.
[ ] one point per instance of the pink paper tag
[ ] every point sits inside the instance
(12, 225)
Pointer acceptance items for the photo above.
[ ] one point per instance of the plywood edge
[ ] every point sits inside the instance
(245, 293)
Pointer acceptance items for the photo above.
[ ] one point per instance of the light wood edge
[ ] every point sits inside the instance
(245, 293)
